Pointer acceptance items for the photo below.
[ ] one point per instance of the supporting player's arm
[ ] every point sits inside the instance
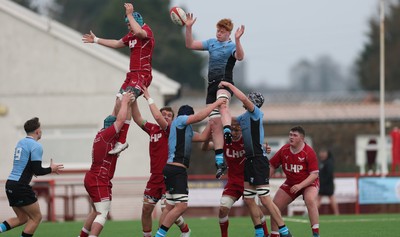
(154, 110)
(136, 115)
(204, 136)
(202, 114)
(124, 112)
(239, 94)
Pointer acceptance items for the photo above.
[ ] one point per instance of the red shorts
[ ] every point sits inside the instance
(137, 80)
(234, 190)
(98, 189)
(155, 188)
(285, 187)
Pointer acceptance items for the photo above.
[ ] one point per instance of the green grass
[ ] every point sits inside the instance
(387, 225)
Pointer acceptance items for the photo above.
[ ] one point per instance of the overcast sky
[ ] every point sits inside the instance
(279, 33)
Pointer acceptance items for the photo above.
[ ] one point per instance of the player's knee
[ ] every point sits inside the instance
(147, 209)
(226, 202)
(102, 209)
(223, 211)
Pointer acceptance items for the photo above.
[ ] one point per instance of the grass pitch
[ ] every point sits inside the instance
(387, 225)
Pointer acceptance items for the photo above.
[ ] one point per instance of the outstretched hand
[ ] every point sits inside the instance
(239, 32)
(190, 20)
(55, 168)
(128, 8)
(88, 38)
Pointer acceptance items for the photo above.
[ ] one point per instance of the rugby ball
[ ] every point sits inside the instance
(178, 16)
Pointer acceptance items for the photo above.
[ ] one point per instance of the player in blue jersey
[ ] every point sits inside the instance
(27, 162)
(223, 54)
(175, 172)
(256, 168)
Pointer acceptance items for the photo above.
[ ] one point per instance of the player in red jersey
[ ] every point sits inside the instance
(300, 165)
(140, 40)
(158, 150)
(98, 178)
(235, 156)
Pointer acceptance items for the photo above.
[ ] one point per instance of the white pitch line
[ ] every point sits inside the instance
(345, 220)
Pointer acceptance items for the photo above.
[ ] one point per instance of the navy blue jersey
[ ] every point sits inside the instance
(222, 59)
(252, 132)
(26, 151)
(180, 141)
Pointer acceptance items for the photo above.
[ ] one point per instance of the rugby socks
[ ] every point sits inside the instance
(264, 225)
(223, 225)
(4, 226)
(274, 234)
(23, 234)
(84, 232)
(259, 231)
(283, 230)
(124, 132)
(162, 231)
(315, 229)
(219, 156)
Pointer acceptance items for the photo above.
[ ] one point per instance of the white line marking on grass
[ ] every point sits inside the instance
(345, 220)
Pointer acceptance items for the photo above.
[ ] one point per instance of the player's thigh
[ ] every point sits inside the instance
(282, 199)
(310, 195)
(33, 211)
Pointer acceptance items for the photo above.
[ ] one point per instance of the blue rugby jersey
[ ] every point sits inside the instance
(222, 59)
(180, 141)
(26, 151)
(253, 132)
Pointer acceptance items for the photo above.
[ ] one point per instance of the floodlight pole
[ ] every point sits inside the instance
(382, 144)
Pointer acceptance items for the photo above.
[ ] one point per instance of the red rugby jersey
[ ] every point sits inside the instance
(158, 146)
(297, 167)
(103, 164)
(235, 156)
(141, 50)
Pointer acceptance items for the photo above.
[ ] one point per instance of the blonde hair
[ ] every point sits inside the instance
(225, 23)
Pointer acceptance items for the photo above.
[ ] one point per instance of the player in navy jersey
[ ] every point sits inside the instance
(27, 162)
(256, 173)
(300, 165)
(140, 40)
(235, 158)
(223, 53)
(158, 150)
(175, 172)
(98, 179)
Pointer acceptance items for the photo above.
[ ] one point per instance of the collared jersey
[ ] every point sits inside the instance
(103, 164)
(180, 141)
(26, 151)
(252, 132)
(297, 167)
(158, 146)
(222, 59)
(141, 50)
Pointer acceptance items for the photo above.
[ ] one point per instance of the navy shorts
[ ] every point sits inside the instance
(176, 179)
(19, 194)
(256, 170)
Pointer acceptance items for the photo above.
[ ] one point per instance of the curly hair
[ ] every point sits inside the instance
(225, 23)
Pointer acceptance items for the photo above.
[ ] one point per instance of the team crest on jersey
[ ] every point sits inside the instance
(132, 43)
(286, 157)
(301, 159)
(234, 154)
(155, 137)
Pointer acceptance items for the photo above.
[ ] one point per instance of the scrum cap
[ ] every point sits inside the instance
(256, 98)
